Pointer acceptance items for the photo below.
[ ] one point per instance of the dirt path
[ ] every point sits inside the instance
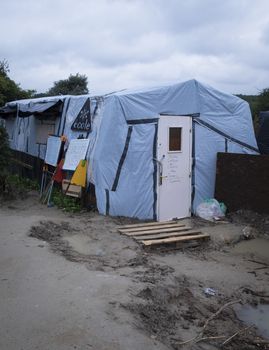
(73, 282)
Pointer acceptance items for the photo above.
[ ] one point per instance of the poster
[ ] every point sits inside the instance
(53, 150)
(76, 151)
(83, 120)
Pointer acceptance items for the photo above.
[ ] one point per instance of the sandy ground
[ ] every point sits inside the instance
(73, 282)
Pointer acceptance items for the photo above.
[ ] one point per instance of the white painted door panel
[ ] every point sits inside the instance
(174, 163)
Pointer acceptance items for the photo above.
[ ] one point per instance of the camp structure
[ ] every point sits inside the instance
(152, 152)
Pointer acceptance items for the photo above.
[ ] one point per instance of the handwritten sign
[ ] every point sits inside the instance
(173, 168)
(76, 151)
(53, 150)
(83, 120)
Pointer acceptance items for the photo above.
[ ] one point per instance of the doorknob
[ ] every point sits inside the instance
(161, 177)
(160, 167)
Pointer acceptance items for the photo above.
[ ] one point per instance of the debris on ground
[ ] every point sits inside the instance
(182, 298)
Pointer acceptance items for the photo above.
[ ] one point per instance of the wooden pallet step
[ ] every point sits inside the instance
(160, 230)
(166, 235)
(148, 228)
(175, 239)
(152, 223)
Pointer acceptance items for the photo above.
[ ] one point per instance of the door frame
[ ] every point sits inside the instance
(158, 164)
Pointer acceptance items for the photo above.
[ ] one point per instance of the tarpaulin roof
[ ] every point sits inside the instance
(8, 111)
(41, 109)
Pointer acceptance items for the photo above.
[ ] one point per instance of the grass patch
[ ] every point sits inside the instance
(18, 187)
(68, 204)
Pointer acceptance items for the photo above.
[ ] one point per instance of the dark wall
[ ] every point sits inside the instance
(26, 165)
(242, 181)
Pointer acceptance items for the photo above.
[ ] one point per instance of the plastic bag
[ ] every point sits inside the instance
(210, 209)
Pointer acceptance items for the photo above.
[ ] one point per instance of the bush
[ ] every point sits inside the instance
(17, 187)
(64, 202)
(4, 158)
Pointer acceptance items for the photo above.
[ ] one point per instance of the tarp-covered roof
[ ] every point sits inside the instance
(8, 111)
(42, 109)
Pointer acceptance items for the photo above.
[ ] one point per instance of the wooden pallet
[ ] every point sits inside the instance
(162, 233)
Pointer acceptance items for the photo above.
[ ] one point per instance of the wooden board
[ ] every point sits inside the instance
(143, 228)
(160, 230)
(71, 190)
(27, 166)
(175, 239)
(165, 235)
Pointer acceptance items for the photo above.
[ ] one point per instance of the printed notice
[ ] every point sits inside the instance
(76, 151)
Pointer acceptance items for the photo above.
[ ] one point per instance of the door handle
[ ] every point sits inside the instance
(161, 177)
(160, 168)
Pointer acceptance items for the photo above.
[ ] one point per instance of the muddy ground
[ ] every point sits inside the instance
(163, 302)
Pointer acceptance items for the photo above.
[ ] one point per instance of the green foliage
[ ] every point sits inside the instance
(4, 158)
(23, 183)
(263, 101)
(4, 67)
(66, 203)
(4, 149)
(18, 187)
(9, 90)
(74, 85)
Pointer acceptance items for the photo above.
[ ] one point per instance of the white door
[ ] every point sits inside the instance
(174, 167)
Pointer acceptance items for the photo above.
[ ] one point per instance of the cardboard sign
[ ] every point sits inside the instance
(76, 151)
(83, 120)
(80, 175)
(53, 150)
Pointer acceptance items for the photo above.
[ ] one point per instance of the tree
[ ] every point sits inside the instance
(74, 85)
(4, 67)
(9, 90)
(263, 100)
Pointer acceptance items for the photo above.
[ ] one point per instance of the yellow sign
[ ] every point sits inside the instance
(80, 174)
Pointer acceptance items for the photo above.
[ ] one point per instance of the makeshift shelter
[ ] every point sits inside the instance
(152, 152)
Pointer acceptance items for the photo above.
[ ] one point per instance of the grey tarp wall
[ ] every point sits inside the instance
(123, 140)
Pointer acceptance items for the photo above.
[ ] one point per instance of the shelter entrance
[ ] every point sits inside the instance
(174, 145)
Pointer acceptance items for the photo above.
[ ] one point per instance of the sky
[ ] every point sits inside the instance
(121, 44)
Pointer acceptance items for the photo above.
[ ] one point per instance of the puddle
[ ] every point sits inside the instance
(255, 315)
(258, 247)
(82, 244)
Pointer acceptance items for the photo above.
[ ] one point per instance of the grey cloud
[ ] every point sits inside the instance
(121, 43)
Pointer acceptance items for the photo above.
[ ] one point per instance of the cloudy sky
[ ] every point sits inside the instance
(129, 43)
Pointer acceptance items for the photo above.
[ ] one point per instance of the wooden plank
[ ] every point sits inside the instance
(153, 223)
(25, 165)
(166, 235)
(149, 232)
(175, 239)
(137, 229)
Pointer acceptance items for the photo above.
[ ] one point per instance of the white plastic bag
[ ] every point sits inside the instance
(209, 210)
